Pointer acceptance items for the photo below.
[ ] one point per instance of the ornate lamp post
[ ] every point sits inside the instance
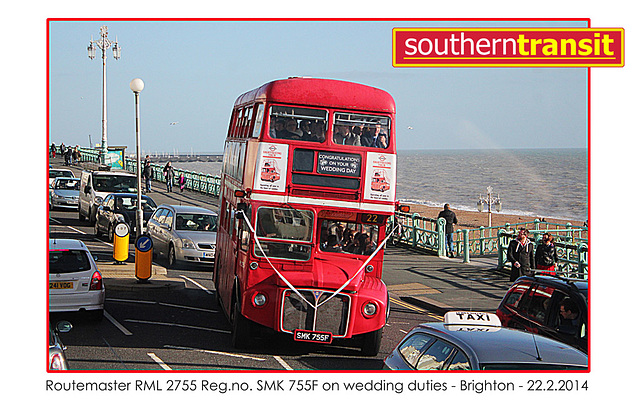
(489, 200)
(103, 43)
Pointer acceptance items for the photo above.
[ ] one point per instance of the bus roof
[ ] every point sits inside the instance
(321, 92)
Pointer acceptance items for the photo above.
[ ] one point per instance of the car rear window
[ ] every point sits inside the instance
(68, 261)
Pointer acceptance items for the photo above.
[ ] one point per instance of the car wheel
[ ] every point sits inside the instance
(110, 233)
(96, 229)
(171, 257)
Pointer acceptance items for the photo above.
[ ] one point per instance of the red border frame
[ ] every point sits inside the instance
(49, 20)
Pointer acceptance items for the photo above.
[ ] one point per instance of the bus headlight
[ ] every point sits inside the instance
(369, 309)
(259, 299)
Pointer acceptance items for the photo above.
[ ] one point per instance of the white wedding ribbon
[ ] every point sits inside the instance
(283, 278)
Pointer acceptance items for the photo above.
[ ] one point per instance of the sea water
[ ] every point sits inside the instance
(547, 183)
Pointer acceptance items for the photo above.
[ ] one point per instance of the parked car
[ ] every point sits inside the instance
(75, 283)
(121, 207)
(476, 341)
(535, 303)
(96, 185)
(57, 358)
(183, 233)
(55, 173)
(64, 193)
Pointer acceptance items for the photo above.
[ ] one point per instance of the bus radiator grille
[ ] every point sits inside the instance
(332, 316)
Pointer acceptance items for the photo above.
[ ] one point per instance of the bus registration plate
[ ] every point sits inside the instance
(312, 336)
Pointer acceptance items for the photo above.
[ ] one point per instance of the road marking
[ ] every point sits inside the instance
(213, 311)
(159, 361)
(117, 324)
(283, 363)
(408, 306)
(198, 285)
(215, 352)
(178, 325)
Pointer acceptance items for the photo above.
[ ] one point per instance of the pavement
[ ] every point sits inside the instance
(122, 277)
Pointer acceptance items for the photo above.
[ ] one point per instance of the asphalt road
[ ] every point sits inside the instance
(184, 329)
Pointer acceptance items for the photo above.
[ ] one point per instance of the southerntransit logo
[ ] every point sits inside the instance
(508, 47)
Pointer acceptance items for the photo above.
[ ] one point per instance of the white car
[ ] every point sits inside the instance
(183, 233)
(64, 193)
(55, 173)
(75, 283)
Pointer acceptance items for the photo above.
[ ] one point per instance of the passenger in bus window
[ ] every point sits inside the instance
(317, 131)
(291, 130)
(340, 132)
(276, 128)
(305, 130)
(382, 141)
(353, 138)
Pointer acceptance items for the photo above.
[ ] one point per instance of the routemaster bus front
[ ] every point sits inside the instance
(315, 273)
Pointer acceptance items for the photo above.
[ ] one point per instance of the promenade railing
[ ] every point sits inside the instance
(427, 235)
(195, 181)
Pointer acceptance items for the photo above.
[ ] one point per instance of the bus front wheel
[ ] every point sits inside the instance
(240, 328)
(371, 343)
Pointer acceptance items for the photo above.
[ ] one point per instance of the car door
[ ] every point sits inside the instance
(155, 228)
(101, 214)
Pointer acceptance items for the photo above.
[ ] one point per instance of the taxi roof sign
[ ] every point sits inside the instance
(471, 318)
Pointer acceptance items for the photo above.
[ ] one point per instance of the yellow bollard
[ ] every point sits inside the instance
(121, 242)
(144, 257)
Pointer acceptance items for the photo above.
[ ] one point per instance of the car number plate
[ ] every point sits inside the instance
(61, 285)
(208, 255)
(312, 336)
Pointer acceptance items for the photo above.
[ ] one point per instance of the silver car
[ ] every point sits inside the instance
(184, 233)
(64, 192)
(75, 283)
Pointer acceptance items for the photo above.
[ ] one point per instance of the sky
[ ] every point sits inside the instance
(194, 70)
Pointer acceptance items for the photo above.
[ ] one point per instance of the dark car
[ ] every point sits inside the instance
(121, 207)
(549, 306)
(57, 359)
(475, 341)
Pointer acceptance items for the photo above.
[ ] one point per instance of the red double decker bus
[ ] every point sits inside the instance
(308, 182)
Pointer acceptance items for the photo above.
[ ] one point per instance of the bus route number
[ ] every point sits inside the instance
(372, 218)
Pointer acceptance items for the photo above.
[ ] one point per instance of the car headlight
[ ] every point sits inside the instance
(188, 244)
(98, 200)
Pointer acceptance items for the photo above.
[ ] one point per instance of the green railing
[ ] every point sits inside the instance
(199, 182)
(427, 234)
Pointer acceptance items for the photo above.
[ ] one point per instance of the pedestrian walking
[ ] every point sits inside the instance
(147, 173)
(67, 156)
(520, 254)
(546, 255)
(182, 181)
(168, 176)
(451, 219)
(53, 150)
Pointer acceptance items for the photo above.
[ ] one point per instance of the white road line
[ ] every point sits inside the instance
(215, 352)
(159, 361)
(283, 363)
(178, 325)
(161, 303)
(191, 308)
(117, 324)
(198, 285)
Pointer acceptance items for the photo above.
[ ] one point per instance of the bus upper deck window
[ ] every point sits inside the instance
(361, 130)
(296, 123)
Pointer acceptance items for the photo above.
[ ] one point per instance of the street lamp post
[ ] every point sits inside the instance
(489, 200)
(137, 85)
(103, 43)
